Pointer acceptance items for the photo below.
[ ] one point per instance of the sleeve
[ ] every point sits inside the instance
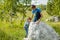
(32, 11)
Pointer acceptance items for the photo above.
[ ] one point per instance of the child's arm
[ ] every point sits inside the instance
(25, 24)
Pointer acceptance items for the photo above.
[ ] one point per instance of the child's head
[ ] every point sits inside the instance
(33, 7)
(29, 19)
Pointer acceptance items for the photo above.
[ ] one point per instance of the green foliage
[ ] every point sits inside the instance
(56, 26)
(43, 7)
(9, 8)
(49, 7)
(14, 32)
(53, 7)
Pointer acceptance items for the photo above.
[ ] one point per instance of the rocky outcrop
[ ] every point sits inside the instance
(41, 31)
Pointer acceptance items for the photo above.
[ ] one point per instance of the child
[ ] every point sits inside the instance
(26, 25)
(36, 13)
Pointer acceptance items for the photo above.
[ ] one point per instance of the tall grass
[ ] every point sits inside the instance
(8, 32)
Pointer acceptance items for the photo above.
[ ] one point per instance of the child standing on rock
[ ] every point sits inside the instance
(26, 25)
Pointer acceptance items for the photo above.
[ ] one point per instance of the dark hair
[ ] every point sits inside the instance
(29, 18)
(33, 6)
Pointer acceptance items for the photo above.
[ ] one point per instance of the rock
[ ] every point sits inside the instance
(53, 19)
(41, 31)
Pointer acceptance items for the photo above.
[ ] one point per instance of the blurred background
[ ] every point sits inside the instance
(13, 14)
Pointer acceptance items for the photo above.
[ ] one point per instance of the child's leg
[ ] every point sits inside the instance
(26, 29)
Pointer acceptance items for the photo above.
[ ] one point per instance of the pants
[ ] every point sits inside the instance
(26, 29)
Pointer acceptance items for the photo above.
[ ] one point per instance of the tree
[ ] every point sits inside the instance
(10, 7)
(49, 7)
(53, 7)
(43, 7)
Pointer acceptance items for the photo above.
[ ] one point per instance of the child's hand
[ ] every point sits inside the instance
(37, 22)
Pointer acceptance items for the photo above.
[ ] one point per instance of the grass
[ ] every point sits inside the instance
(8, 32)
(15, 31)
(56, 26)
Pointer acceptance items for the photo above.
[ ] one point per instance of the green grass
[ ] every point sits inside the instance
(55, 25)
(8, 32)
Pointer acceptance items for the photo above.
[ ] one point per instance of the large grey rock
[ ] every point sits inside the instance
(53, 19)
(41, 31)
